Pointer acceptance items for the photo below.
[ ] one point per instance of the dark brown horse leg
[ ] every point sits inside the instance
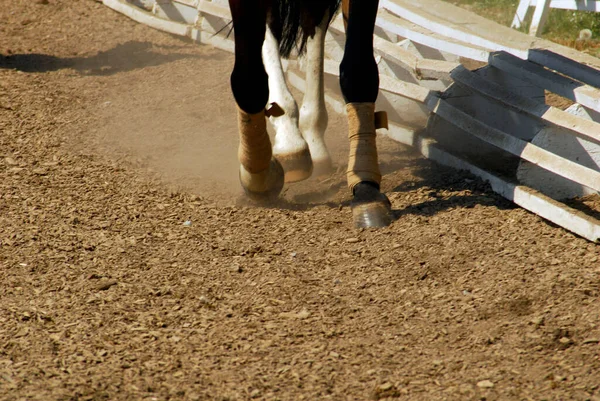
(261, 175)
(359, 80)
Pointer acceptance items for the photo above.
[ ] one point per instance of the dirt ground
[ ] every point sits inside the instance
(112, 135)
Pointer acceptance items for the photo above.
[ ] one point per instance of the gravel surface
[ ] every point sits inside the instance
(133, 269)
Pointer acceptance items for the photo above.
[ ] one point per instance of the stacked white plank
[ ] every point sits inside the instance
(204, 21)
(444, 110)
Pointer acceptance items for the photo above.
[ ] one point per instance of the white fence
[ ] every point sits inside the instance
(542, 9)
(445, 110)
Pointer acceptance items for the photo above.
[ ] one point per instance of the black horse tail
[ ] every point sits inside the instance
(294, 21)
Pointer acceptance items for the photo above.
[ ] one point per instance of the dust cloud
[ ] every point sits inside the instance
(179, 120)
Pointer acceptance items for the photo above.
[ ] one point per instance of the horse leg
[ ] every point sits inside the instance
(261, 175)
(290, 148)
(313, 114)
(359, 81)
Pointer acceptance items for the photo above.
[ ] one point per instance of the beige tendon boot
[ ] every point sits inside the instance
(362, 160)
(261, 175)
(370, 208)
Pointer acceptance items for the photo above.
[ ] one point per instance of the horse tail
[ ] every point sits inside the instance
(294, 21)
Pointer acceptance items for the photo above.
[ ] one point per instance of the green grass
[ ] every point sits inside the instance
(563, 26)
(501, 11)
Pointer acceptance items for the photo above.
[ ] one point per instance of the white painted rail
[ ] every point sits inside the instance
(438, 106)
(542, 10)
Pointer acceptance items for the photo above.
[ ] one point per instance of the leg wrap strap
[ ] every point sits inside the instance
(362, 161)
(254, 152)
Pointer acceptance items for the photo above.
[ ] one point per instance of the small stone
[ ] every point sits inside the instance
(565, 340)
(255, 393)
(22, 333)
(385, 386)
(303, 314)
(352, 240)
(485, 384)
(538, 321)
(10, 161)
(105, 285)
(187, 223)
(40, 171)
(591, 341)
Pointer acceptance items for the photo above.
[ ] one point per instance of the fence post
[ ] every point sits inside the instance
(521, 14)
(542, 9)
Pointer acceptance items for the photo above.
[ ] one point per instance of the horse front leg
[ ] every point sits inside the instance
(261, 175)
(359, 81)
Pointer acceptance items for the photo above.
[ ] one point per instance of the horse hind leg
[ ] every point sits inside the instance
(313, 114)
(261, 175)
(290, 148)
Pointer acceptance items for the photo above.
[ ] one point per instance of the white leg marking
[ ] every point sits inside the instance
(313, 114)
(290, 148)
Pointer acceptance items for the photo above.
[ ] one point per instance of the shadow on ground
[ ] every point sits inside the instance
(581, 205)
(435, 179)
(123, 57)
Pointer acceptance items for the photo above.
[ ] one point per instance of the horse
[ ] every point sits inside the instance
(264, 32)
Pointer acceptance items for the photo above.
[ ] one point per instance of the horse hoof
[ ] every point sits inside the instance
(264, 186)
(370, 208)
(298, 166)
